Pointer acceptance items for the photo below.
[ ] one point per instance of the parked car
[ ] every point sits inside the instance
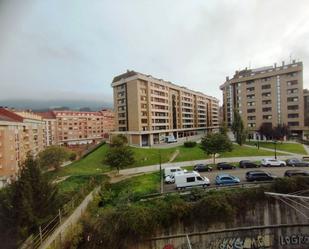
(296, 163)
(190, 179)
(268, 162)
(259, 175)
(221, 166)
(202, 168)
(248, 164)
(296, 172)
(226, 179)
(169, 179)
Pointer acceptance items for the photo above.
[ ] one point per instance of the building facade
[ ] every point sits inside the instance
(271, 94)
(20, 133)
(148, 109)
(72, 128)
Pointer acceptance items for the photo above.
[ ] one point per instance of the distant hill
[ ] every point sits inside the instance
(41, 105)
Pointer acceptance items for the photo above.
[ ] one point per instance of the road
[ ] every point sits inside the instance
(238, 172)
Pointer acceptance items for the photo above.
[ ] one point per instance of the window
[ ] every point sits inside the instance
(250, 82)
(252, 103)
(266, 102)
(291, 74)
(266, 79)
(292, 82)
(293, 123)
(292, 99)
(294, 90)
(267, 94)
(251, 125)
(266, 109)
(251, 117)
(293, 115)
(250, 89)
(266, 86)
(190, 179)
(143, 98)
(292, 107)
(250, 96)
(250, 110)
(266, 117)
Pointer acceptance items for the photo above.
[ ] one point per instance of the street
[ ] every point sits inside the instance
(238, 172)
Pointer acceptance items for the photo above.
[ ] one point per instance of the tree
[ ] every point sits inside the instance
(281, 131)
(266, 130)
(223, 128)
(119, 157)
(215, 143)
(119, 140)
(30, 201)
(53, 157)
(238, 128)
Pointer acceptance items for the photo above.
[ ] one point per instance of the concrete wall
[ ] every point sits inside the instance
(270, 225)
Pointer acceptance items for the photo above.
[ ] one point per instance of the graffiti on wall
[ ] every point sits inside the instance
(258, 242)
(295, 239)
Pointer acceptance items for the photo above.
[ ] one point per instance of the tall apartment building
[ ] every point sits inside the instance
(78, 127)
(148, 109)
(20, 133)
(271, 94)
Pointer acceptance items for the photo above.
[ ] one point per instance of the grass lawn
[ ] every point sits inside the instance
(242, 151)
(139, 185)
(145, 156)
(90, 165)
(289, 147)
(188, 154)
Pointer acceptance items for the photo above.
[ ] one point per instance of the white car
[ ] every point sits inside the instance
(169, 179)
(268, 162)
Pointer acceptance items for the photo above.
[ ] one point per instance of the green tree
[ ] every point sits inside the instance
(223, 128)
(29, 201)
(119, 140)
(238, 129)
(53, 157)
(215, 143)
(119, 157)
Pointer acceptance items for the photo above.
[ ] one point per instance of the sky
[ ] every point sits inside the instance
(56, 50)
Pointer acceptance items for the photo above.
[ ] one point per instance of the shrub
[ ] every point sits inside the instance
(189, 144)
(72, 156)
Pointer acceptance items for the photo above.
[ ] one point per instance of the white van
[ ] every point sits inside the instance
(172, 170)
(190, 179)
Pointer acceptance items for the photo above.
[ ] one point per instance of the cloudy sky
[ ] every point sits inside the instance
(71, 49)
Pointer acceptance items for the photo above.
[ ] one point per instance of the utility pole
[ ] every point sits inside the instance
(161, 178)
(275, 144)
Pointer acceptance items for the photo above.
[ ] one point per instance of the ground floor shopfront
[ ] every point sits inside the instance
(147, 139)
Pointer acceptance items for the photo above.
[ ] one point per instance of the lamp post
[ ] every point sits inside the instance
(161, 178)
(275, 145)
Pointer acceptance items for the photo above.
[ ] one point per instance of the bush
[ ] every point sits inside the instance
(72, 156)
(189, 144)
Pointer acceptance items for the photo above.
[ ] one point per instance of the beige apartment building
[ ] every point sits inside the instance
(271, 94)
(72, 128)
(148, 109)
(20, 133)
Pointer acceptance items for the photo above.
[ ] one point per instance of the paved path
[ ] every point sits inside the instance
(306, 148)
(156, 167)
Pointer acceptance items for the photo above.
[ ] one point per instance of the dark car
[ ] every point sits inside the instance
(248, 164)
(221, 166)
(296, 172)
(296, 163)
(259, 175)
(202, 168)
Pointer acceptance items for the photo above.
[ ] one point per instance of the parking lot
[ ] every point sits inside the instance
(238, 172)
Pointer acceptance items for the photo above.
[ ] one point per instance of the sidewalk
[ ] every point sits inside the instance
(156, 167)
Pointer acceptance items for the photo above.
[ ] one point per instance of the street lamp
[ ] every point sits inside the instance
(161, 178)
(275, 145)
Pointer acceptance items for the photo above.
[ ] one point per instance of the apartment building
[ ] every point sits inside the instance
(20, 133)
(77, 128)
(271, 94)
(148, 109)
(50, 127)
